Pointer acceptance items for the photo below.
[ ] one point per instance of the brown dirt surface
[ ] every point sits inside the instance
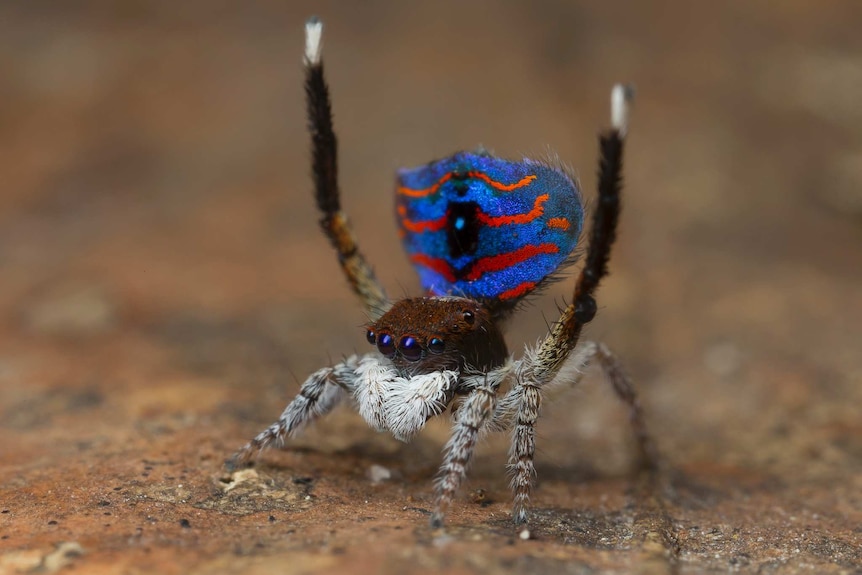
(164, 285)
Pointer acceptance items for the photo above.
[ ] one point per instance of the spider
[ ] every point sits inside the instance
(483, 233)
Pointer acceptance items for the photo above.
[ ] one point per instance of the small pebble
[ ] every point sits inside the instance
(524, 534)
(378, 473)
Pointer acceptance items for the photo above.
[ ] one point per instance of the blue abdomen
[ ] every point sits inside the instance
(485, 228)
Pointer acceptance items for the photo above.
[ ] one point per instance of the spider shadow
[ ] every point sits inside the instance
(410, 463)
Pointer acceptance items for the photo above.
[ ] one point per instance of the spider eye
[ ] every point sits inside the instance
(371, 337)
(410, 348)
(469, 317)
(436, 345)
(386, 344)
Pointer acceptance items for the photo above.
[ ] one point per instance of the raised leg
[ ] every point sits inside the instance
(540, 368)
(564, 336)
(324, 152)
(318, 395)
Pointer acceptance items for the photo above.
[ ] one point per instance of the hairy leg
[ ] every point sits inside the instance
(320, 393)
(540, 368)
(324, 152)
(647, 457)
(523, 449)
(507, 406)
(470, 419)
(519, 409)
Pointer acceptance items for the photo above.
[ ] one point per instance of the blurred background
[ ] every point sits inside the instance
(163, 279)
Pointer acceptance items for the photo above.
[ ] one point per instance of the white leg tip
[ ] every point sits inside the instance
(313, 41)
(621, 98)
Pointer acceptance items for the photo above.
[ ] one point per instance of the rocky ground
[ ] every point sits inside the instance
(164, 286)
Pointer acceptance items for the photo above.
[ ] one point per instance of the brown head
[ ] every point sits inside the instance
(426, 334)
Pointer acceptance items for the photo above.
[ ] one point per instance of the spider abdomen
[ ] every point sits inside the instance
(487, 228)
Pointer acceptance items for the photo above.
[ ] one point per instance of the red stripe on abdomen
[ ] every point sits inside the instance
(419, 226)
(438, 265)
(517, 291)
(503, 261)
(525, 218)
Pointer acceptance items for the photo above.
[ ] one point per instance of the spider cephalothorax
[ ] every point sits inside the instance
(483, 233)
(427, 334)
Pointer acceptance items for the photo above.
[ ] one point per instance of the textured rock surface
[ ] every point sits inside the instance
(163, 285)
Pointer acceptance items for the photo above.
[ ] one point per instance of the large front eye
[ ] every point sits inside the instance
(410, 348)
(469, 317)
(386, 344)
(436, 345)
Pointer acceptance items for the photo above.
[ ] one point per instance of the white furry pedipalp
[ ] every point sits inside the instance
(402, 405)
(374, 376)
(410, 402)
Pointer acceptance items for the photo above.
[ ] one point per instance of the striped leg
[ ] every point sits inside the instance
(320, 393)
(647, 456)
(519, 409)
(541, 368)
(324, 152)
(523, 449)
(470, 419)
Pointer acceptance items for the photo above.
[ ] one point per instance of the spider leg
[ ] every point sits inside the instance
(541, 367)
(523, 444)
(566, 332)
(523, 449)
(470, 419)
(324, 165)
(623, 387)
(507, 406)
(320, 393)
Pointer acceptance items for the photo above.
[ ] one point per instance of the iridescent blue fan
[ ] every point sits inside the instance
(485, 228)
